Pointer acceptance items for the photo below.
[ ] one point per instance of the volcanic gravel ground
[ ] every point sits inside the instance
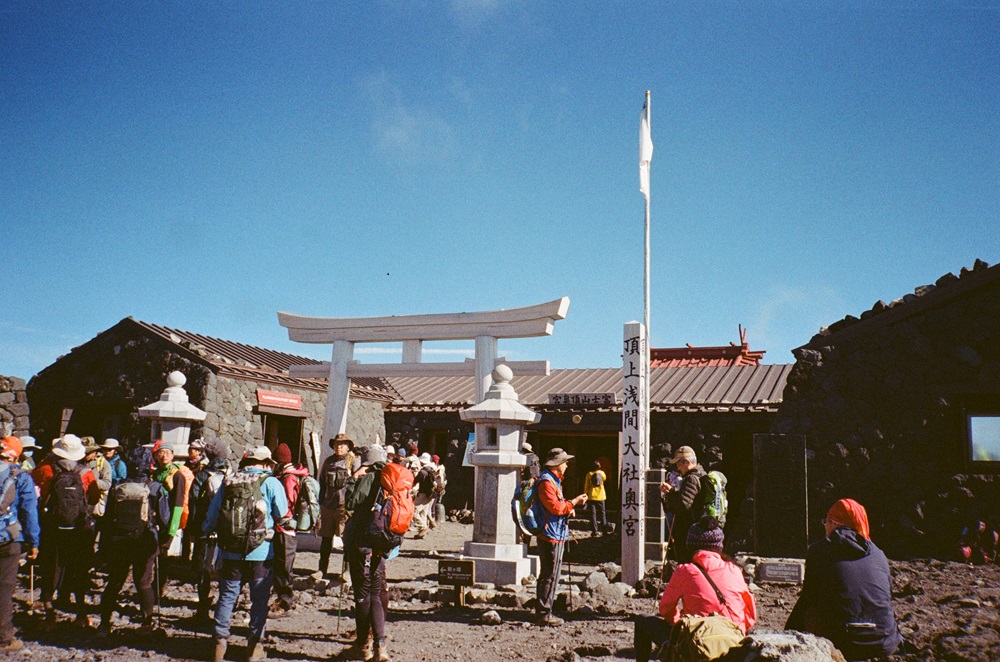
(948, 610)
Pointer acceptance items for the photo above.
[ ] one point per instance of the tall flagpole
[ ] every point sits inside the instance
(645, 157)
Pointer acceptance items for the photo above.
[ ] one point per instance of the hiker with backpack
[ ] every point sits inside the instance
(68, 492)
(425, 487)
(243, 514)
(378, 496)
(18, 528)
(138, 510)
(177, 479)
(290, 476)
(687, 503)
(28, 448)
(554, 512)
(593, 487)
(846, 595)
(204, 557)
(332, 491)
(706, 607)
(111, 450)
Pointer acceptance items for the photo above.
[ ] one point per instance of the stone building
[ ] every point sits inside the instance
(14, 409)
(900, 408)
(246, 391)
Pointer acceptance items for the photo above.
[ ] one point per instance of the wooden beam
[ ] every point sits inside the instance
(449, 369)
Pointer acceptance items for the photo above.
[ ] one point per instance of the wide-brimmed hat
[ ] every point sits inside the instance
(90, 445)
(28, 443)
(69, 447)
(556, 457)
(425, 459)
(259, 454)
(372, 454)
(684, 453)
(197, 444)
(342, 439)
(110, 444)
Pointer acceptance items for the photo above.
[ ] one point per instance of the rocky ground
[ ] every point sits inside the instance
(948, 610)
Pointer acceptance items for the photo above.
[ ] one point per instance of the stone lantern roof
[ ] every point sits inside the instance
(173, 403)
(500, 404)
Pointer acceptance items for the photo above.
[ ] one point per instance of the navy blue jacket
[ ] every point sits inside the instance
(847, 596)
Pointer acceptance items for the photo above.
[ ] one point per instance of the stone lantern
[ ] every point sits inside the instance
(500, 421)
(172, 415)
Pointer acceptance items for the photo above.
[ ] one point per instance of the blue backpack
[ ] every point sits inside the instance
(525, 507)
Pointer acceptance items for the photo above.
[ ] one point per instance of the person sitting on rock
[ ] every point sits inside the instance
(847, 591)
(694, 590)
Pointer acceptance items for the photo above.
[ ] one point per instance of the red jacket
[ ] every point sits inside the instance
(550, 495)
(42, 476)
(689, 586)
(289, 476)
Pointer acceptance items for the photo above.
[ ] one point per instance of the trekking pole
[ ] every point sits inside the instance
(31, 585)
(156, 593)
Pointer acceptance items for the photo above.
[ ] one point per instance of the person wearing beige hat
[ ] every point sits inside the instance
(68, 493)
(686, 503)
(333, 475)
(555, 531)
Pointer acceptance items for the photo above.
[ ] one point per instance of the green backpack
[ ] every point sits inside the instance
(713, 486)
(701, 638)
(242, 524)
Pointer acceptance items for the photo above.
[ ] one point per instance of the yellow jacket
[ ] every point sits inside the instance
(595, 492)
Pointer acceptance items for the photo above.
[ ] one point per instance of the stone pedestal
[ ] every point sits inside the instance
(500, 421)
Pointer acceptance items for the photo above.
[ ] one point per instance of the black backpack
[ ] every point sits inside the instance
(66, 505)
(425, 481)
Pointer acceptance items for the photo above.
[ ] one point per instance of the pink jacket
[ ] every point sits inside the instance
(289, 475)
(697, 597)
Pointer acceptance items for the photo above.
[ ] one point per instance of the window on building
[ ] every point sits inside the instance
(984, 438)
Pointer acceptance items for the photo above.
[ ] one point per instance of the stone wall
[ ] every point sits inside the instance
(108, 379)
(883, 402)
(229, 405)
(14, 409)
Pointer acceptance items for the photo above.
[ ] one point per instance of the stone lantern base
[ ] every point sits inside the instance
(501, 564)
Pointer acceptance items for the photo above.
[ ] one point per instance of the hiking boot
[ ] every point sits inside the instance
(549, 620)
(279, 611)
(48, 624)
(104, 629)
(421, 534)
(219, 652)
(257, 651)
(147, 628)
(357, 651)
(383, 653)
(11, 645)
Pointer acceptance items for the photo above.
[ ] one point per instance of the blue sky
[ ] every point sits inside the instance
(204, 165)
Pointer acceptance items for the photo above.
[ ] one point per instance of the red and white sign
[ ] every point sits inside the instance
(275, 399)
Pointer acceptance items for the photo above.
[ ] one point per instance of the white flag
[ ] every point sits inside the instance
(645, 149)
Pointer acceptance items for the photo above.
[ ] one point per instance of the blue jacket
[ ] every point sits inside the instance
(277, 507)
(119, 471)
(847, 596)
(555, 526)
(25, 506)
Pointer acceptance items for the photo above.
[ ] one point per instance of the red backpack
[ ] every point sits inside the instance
(393, 509)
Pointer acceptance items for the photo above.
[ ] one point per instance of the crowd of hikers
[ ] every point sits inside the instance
(84, 506)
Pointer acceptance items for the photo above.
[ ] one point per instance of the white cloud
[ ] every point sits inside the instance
(406, 131)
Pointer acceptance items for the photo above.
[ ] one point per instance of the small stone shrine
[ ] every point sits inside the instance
(172, 415)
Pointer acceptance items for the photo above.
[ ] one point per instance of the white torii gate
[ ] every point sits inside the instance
(483, 327)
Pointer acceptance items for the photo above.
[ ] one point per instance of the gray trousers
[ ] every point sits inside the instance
(550, 556)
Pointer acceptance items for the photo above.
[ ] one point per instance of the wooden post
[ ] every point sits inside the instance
(632, 453)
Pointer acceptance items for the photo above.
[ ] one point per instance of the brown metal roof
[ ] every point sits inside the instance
(721, 388)
(242, 361)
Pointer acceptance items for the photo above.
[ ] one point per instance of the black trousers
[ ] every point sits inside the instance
(649, 630)
(598, 514)
(10, 556)
(66, 556)
(284, 561)
(371, 597)
(139, 556)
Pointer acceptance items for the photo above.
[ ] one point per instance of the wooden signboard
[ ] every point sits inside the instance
(457, 573)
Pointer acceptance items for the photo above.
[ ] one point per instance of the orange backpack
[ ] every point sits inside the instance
(397, 483)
